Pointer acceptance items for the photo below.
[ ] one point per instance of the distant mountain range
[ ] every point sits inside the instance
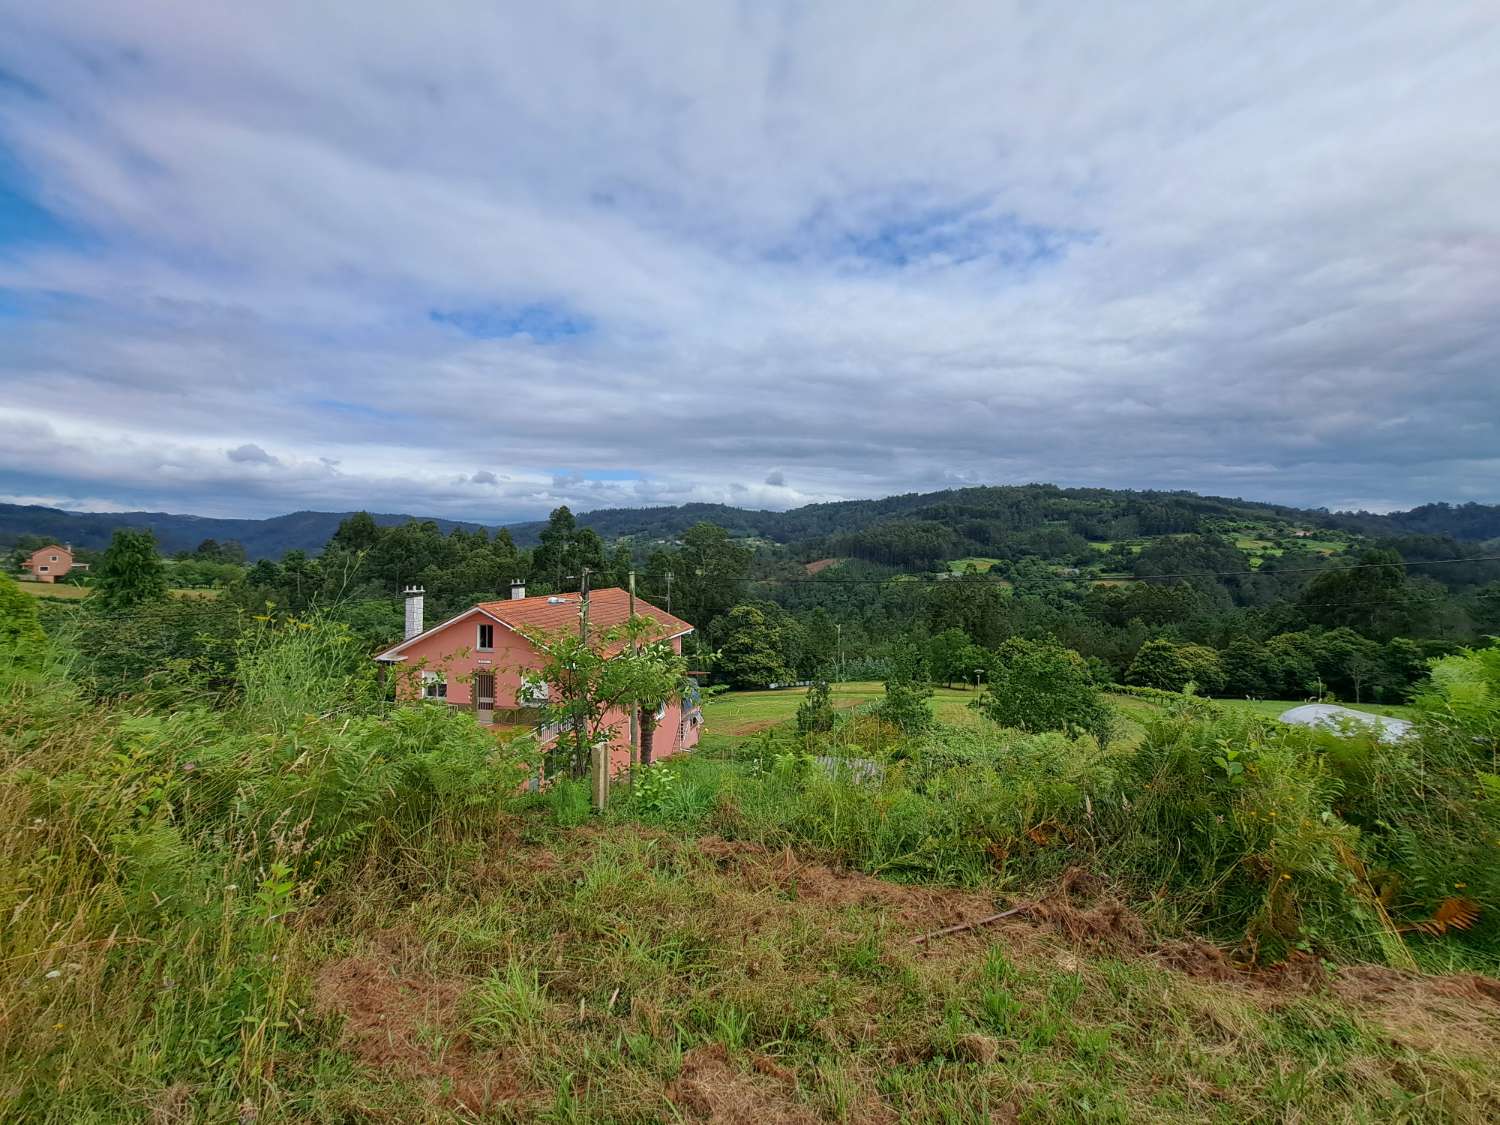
(963, 510)
(267, 538)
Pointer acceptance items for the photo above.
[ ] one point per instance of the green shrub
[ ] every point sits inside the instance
(815, 714)
(1036, 686)
(22, 641)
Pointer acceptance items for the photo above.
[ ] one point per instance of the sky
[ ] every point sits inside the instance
(480, 259)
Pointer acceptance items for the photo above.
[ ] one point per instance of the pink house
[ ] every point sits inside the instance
(478, 661)
(48, 564)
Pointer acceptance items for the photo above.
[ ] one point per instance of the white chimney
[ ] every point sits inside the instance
(517, 589)
(413, 610)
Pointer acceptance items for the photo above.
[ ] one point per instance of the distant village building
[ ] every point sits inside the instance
(479, 661)
(48, 564)
(1302, 533)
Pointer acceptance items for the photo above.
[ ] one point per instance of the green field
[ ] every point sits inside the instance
(737, 714)
(72, 593)
(979, 563)
(54, 590)
(1272, 708)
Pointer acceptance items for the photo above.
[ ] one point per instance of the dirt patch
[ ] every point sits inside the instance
(172, 1105)
(1459, 1012)
(712, 1088)
(817, 566)
(1198, 959)
(921, 908)
(404, 1025)
(1082, 910)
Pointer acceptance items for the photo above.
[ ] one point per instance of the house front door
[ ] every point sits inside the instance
(484, 696)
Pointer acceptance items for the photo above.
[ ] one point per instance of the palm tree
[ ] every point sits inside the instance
(653, 707)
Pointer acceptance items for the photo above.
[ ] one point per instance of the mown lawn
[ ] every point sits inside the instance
(749, 712)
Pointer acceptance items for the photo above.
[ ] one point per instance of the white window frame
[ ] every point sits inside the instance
(479, 644)
(434, 686)
(42, 569)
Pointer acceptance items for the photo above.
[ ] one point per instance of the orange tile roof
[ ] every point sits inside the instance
(607, 607)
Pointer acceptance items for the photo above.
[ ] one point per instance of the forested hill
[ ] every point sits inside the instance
(267, 538)
(956, 519)
(980, 513)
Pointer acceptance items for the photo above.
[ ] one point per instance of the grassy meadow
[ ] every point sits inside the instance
(64, 592)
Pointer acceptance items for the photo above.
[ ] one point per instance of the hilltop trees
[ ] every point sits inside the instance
(565, 550)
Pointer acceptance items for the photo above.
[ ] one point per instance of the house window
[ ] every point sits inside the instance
(42, 569)
(486, 638)
(52, 558)
(433, 687)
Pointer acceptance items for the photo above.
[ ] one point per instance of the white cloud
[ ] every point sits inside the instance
(874, 249)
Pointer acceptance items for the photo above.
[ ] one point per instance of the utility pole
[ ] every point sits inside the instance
(669, 591)
(838, 632)
(635, 730)
(598, 755)
(583, 616)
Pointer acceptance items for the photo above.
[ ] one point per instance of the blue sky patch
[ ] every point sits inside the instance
(543, 322)
(900, 235)
(22, 219)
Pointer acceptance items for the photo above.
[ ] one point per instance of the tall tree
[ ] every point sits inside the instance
(358, 532)
(751, 652)
(590, 681)
(131, 572)
(1369, 595)
(708, 572)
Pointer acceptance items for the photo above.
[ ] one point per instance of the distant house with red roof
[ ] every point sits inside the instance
(48, 564)
(480, 659)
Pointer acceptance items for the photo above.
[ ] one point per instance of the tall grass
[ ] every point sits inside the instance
(155, 865)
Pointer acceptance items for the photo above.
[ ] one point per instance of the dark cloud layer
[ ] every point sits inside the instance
(482, 261)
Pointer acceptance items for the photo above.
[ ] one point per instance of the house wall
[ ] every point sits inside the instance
(55, 568)
(453, 650)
